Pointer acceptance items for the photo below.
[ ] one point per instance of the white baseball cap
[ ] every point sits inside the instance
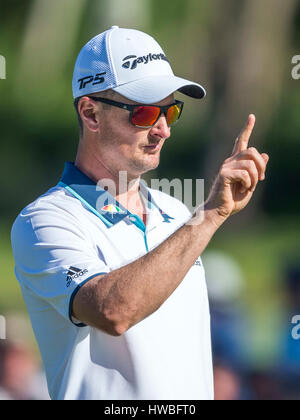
(132, 64)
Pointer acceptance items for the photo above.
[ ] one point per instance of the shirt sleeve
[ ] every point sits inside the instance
(54, 256)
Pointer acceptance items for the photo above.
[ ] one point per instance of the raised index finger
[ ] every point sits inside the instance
(242, 141)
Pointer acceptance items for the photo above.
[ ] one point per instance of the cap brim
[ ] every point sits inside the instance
(153, 89)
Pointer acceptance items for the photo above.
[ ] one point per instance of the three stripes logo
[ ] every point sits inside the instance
(73, 274)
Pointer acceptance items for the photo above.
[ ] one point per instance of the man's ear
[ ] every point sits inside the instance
(89, 113)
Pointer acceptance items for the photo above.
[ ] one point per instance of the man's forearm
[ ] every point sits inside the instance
(135, 291)
(116, 301)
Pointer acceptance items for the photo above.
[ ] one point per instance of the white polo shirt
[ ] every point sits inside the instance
(64, 239)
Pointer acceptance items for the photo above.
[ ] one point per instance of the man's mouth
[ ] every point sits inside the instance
(152, 147)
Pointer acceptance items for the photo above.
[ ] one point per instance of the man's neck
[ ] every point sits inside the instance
(123, 187)
(119, 181)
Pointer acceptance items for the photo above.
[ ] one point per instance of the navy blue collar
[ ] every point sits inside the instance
(97, 199)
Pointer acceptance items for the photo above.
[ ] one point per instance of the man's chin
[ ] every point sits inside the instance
(146, 165)
(151, 167)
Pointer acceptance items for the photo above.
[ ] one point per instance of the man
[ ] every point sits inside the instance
(112, 279)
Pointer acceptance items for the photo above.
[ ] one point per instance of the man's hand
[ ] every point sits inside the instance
(238, 176)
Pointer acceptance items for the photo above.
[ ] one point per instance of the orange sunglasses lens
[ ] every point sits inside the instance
(145, 116)
(173, 114)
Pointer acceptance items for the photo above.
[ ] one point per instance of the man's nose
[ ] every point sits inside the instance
(161, 130)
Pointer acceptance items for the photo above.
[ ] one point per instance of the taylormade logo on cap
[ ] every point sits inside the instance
(141, 60)
(131, 63)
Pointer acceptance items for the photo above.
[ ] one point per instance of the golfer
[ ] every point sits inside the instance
(110, 269)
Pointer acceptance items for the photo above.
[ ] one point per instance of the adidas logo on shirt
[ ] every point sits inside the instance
(198, 262)
(74, 273)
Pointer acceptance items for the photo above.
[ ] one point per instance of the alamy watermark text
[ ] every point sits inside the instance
(296, 67)
(2, 328)
(2, 67)
(296, 329)
(190, 192)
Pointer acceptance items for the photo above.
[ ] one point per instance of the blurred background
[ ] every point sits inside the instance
(241, 51)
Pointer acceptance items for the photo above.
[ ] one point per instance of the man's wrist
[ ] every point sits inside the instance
(214, 217)
(206, 214)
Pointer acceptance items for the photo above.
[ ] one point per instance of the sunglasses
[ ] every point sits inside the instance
(146, 116)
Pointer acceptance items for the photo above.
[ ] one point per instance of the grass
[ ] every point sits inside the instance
(262, 250)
